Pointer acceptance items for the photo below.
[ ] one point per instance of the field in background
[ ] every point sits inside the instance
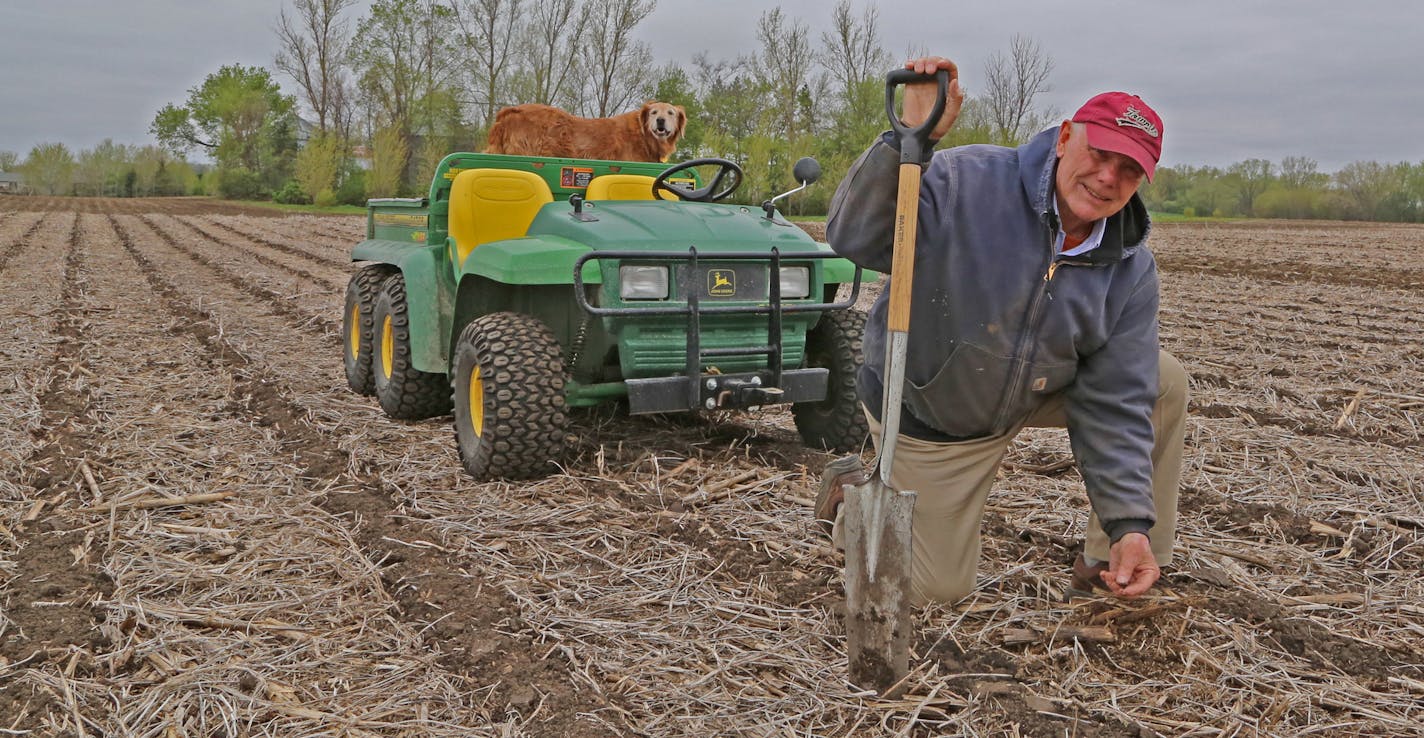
(203, 533)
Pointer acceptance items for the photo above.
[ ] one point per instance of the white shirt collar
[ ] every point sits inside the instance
(1094, 239)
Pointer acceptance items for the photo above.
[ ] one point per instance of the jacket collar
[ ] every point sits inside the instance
(1125, 231)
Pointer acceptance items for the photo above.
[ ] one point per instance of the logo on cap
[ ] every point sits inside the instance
(1136, 119)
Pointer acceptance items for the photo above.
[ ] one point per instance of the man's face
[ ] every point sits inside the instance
(1091, 183)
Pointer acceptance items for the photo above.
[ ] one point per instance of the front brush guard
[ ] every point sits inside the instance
(695, 389)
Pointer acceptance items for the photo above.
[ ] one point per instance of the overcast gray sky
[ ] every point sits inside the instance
(1232, 79)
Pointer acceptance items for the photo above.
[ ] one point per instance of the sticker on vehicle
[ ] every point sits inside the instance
(721, 283)
(575, 177)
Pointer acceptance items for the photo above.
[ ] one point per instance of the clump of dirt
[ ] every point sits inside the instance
(1316, 643)
(991, 676)
(49, 600)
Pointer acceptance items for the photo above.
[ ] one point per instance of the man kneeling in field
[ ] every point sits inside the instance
(1034, 303)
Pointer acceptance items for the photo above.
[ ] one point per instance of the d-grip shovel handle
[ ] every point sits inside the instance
(914, 141)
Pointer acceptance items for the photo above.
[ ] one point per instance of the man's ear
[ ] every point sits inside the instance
(1065, 132)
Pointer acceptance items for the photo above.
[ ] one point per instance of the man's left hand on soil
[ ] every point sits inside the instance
(1132, 569)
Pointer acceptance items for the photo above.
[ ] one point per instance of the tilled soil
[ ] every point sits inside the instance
(131, 205)
(204, 533)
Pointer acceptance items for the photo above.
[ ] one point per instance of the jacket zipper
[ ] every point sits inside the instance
(1030, 332)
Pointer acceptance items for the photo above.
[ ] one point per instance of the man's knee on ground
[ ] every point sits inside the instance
(1172, 381)
(946, 593)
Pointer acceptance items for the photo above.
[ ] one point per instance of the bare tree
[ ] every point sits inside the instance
(401, 53)
(312, 48)
(488, 31)
(1249, 178)
(785, 62)
(49, 169)
(730, 102)
(851, 49)
(613, 60)
(1367, 184)
(1299, 171)
(343, 107)
(555, 28)
(1012, 86)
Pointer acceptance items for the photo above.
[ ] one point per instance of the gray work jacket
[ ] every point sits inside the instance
(999, 322)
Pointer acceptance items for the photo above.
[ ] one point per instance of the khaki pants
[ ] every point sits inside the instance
(953, 481)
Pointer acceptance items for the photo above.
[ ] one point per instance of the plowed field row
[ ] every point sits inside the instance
(55, 576)
(368, 504)
(205, 533)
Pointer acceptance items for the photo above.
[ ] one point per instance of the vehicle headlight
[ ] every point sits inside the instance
(643, 282)
(795, 282)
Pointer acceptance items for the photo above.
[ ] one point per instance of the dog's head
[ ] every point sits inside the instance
(664, 121)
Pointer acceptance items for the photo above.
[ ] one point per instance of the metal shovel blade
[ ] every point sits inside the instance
(878, 555)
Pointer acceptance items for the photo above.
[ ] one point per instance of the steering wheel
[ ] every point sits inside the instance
(714, 191)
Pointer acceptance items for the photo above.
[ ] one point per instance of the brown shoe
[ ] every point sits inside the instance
(846, 470)
(1087, 578)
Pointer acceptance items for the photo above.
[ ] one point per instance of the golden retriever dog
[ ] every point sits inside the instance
(648, 134)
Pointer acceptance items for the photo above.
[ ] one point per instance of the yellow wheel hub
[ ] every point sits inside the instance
(353, 339)
(477, 402)
(388, 347)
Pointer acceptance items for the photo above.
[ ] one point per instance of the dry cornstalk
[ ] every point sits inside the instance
(718, 490)
(1049, 468)
(1350, 409)
(34, 512)
(1328, 530)
(686, 464)
(1243, 556)
(1413, 684)
(1338, 599)
(89, 479)
(148, 503)
(1085, 633)
(1126, 615)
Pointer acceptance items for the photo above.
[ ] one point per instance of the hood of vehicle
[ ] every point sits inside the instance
(647, 225)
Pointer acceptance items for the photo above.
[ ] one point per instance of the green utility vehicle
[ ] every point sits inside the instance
(529, 285)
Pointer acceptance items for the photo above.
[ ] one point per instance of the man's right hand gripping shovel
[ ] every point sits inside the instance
(876, 517)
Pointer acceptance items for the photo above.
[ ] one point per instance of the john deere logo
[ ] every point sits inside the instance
(721, 283)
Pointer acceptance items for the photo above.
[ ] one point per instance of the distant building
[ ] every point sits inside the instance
(13, 183)
(361, 154)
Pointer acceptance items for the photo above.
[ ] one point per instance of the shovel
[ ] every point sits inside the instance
(876, 516)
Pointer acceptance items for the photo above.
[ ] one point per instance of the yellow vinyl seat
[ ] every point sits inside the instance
(493, 205)
(622, 187)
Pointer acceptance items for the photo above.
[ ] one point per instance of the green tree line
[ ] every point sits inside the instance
(1294, 188)
(107, 170)
(385, 96)
(377, 100)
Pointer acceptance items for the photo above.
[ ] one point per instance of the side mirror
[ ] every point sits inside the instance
(807, 170)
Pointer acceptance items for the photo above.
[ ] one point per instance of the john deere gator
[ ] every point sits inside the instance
(520, 287)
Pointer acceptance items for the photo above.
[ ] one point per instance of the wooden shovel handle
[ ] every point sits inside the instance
(902, 262)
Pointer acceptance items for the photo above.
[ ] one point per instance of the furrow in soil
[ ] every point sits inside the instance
(459, 611)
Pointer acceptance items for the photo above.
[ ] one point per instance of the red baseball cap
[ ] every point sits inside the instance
(1121, 122)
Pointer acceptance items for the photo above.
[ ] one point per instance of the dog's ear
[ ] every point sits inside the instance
(681, 119)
